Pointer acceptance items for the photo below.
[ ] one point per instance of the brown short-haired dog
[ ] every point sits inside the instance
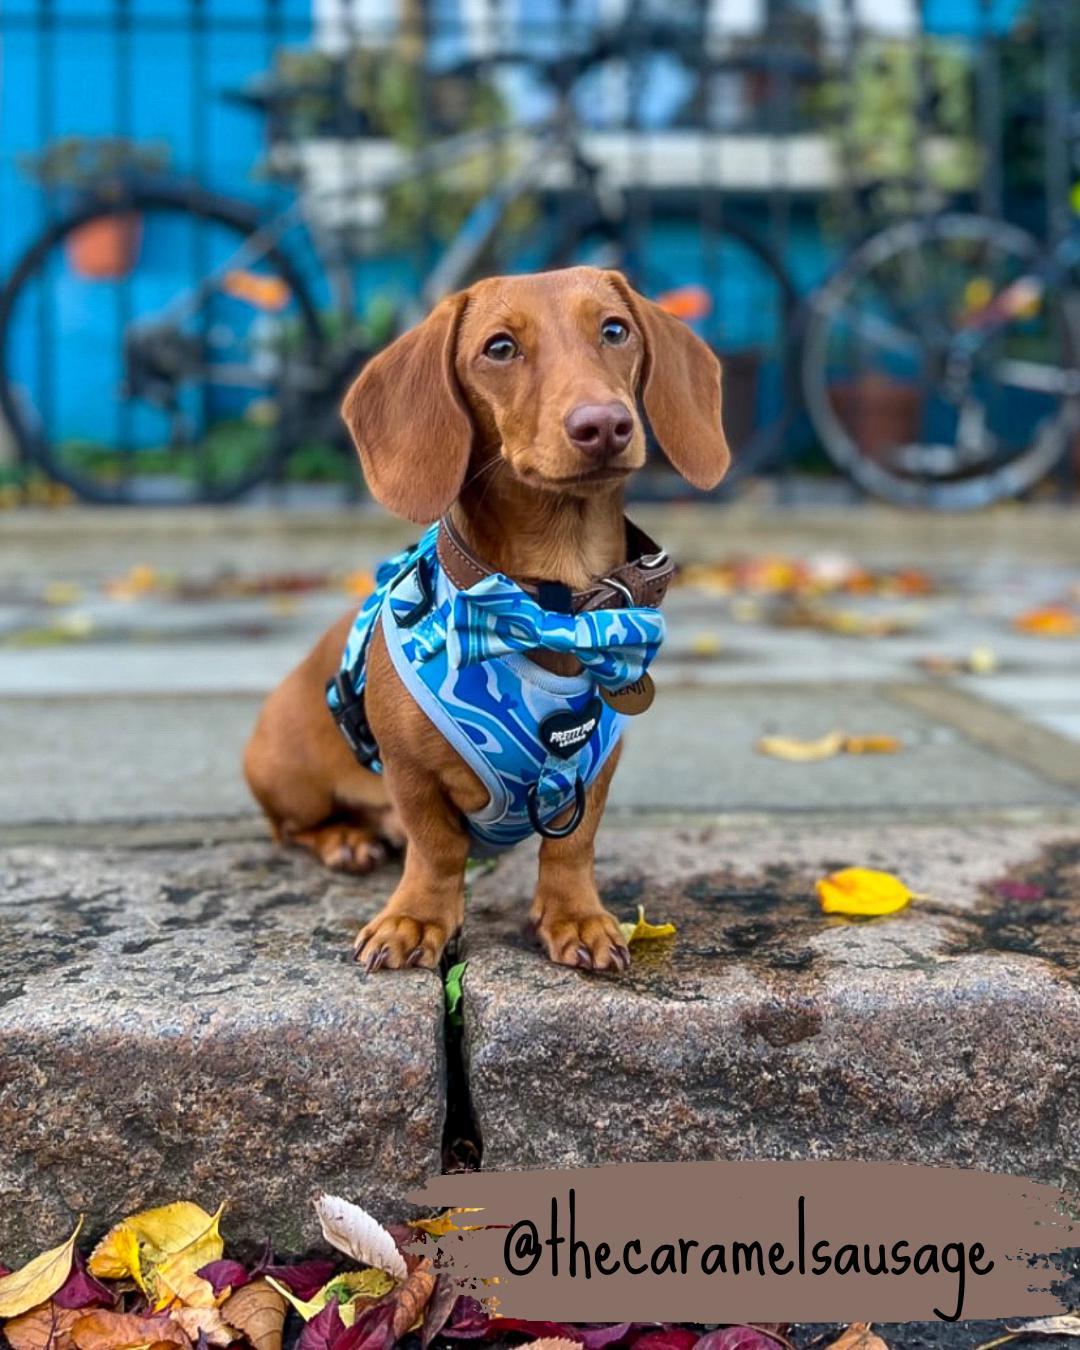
(513, 409)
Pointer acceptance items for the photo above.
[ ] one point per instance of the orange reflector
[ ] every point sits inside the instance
(258, 291)
(686, 302)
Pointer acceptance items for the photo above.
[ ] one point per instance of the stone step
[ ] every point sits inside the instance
(187, 1023)
(948, 1033)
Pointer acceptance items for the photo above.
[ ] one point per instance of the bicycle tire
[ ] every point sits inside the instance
(1010, 479)
(234, 215)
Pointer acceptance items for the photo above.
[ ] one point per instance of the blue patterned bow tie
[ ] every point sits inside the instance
(495, 617)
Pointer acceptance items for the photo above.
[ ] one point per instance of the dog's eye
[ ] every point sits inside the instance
(613, 332)
(501, 347)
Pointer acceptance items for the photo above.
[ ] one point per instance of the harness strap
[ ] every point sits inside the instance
(643, 580)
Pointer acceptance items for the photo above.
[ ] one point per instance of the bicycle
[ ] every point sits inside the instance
(215, 385)
(940, 360)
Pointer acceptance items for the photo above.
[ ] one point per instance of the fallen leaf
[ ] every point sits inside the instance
(259, 1312)
(204, 1325)
(343, 1289)
(118, 1331)
(737, 1338)
(176, 1276)
(225, 1275)
(705, 644)
(353, 1231)
(373, 1331)
(44, 1328)
(872, 745)
(858, 1336)
(411, 1298)
(788, 747)
(81, 1290)
(1067, 1324)
(600, 1337)
(1048, 621)
(358, 584)
(669, 1338)
(304, 1278)
(1021, 891)
(445, 1223)
(38, 1280)
(440, 1306)
(553, 1343)
(642, 931)
(860, 890)
(117, 1256)
(982, 661)
(323, 1330)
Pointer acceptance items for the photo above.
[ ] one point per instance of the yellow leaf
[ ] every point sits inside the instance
(872, 745)
(176, 1276)
(982, 661)
(346, 1289)
(858, 1336)
(38, 1280)
(787, 747)
(643, 931)
(860, 890)
(439, 1227)
(117, 1256)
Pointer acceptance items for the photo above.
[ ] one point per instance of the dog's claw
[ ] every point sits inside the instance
(584, 957)
(415, 956)
(622, 957)
(377, 960)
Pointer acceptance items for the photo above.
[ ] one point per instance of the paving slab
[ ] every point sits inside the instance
(118, 757)
(188, 1023)
(946, 1034)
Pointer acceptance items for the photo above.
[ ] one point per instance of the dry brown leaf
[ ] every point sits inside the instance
(101, 1330)
(259, 1312)
(44, 1328)
(858, 1336)
(196, 1321)
(412, 1298)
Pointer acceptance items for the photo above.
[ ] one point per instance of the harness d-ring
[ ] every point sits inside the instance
(557, 831)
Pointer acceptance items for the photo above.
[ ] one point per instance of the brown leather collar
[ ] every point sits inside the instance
(643, 580)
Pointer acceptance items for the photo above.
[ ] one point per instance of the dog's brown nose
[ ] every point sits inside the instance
(601, 429)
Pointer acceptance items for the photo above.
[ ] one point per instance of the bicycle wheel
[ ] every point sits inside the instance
(733, 291)
(939, 364)
(156, 349)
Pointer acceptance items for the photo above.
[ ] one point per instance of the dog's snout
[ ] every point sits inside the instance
(600, 428)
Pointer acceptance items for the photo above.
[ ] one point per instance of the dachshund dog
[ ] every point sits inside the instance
(512, 412)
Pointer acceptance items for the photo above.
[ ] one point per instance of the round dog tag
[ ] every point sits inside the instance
(631, 699)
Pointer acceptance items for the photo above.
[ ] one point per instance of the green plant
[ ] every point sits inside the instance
(82, 163)
(881, 143)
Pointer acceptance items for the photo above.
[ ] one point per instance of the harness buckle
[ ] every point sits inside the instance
(557, 831)
(352, 720)
(422, 570)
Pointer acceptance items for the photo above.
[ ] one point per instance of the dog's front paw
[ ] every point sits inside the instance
(591, 941)
(393, 940)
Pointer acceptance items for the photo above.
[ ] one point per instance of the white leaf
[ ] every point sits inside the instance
(353, 1231)
(1068, 1324)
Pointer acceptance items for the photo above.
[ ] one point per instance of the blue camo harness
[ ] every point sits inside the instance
(536, 740)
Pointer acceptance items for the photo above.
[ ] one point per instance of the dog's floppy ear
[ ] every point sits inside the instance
(680, 388)
(409, 420)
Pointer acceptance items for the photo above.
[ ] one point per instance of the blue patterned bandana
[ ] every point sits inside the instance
(495, 617)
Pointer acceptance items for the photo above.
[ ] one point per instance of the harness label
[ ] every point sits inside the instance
(564, 733)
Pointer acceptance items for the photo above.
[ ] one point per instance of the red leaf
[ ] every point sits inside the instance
(469, 1321)
(225, 1275)
(499, 1326)
(323, 1329)
(372, 1330)
(597, 1338)
(81, 1290)
(1019, 890)
(303, 1280)
(668, 1338)
(737, 1338)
